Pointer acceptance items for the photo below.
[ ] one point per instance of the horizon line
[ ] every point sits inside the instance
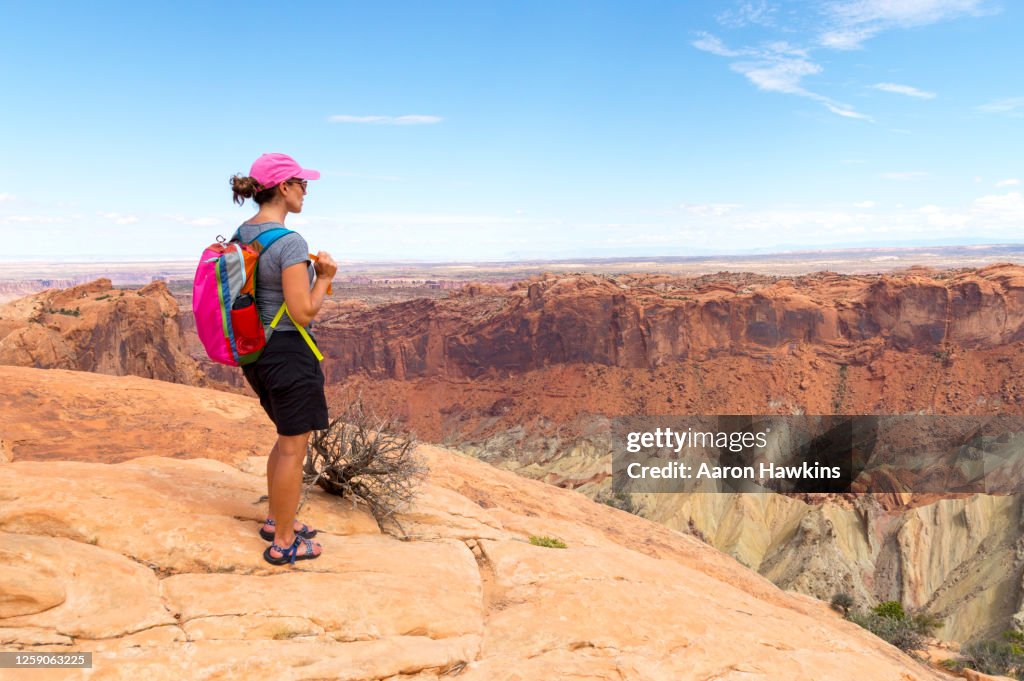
(114, 260)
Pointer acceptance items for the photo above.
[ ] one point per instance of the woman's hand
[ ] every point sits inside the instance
(325, 267)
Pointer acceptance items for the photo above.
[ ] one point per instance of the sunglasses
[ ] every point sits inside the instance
(301, 183)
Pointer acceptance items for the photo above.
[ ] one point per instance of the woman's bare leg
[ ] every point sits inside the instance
(286, 487)
(271, 468)
(271, 465)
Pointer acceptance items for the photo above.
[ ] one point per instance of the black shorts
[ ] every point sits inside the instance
(290, 384)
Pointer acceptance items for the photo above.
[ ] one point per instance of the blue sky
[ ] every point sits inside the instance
(488, 131)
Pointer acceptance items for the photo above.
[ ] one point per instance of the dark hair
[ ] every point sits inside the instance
(245, 187)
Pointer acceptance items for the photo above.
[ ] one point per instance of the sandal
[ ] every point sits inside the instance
(305, 532)
(290, 554)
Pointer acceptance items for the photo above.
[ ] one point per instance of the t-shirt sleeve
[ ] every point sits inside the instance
(293, 250)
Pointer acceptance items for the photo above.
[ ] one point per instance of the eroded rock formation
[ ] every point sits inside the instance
(95, 327)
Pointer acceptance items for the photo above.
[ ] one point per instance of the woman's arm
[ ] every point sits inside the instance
(303, 303)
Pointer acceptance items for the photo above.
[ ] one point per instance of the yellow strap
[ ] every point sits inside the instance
(305, 334)
(277, 317)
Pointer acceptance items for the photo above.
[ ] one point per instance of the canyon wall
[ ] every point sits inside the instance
(95, 327)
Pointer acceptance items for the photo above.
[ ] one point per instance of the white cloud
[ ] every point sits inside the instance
(34, 219)
(1007, 208)
(783, 47)
(847, 113)
(780, 66)
(902, 13)
(1009, 182)
(984, 213)
(405, 219)
(747, 13)
(408, 119)
(845, 39)
(1013, 106)
(120, 218)
(905, 175)
(940, 217)
(709, 43)
(709, 209)
(781, 75)
(777, 66)
(907, 90)
(850, 23)
(865, 204)
(4, 196)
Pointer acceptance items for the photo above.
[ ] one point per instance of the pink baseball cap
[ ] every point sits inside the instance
(271, 170)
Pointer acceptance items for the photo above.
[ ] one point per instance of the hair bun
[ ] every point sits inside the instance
(244, 187)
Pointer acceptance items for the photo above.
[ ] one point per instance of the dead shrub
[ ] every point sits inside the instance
(366, 459)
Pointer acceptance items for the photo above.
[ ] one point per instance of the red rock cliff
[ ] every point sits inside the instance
(647, 321)
(95, 327)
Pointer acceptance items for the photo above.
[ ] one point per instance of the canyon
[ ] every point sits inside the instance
(526, 378)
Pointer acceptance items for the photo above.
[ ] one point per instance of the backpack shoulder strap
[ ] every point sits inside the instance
(266, 239)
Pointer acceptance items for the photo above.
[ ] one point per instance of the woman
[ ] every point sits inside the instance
(287, 377)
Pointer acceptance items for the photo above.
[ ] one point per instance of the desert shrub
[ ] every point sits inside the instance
(365, 459)
(926, 623)
(999, 658)
(890, 622)
(898, 631)
(620, 500)
(842, 602)
(548, 542)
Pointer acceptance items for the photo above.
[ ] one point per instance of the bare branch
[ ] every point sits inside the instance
(363, 458)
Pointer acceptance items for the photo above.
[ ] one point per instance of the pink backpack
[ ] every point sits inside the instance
(224, 301)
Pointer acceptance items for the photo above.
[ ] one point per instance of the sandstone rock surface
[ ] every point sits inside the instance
(55, 415)
(154, 564)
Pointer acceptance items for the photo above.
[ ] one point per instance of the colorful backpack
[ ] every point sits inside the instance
(224, 301)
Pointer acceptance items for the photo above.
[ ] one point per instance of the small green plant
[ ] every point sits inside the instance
(65, 311)
(547, 542)
(893, 609)
(104, 296)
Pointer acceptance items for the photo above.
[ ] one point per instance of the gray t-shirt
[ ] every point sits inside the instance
(285, 252)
